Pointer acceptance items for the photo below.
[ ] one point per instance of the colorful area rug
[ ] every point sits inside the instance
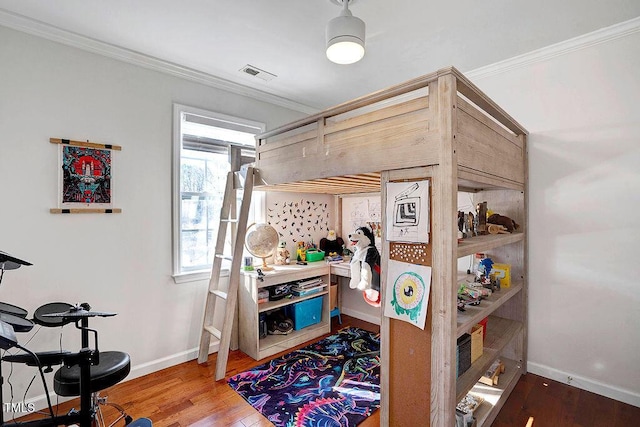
(333, 382)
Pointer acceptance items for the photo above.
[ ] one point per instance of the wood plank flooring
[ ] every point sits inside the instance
(554, 404)
(188, 395)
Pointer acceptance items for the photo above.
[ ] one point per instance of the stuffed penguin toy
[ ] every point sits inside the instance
(365, 265)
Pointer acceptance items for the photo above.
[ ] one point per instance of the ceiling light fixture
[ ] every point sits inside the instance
(345, 36)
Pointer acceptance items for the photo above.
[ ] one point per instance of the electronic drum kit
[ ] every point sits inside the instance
(83, 373)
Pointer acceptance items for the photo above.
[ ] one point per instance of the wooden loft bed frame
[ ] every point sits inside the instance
(439, 127)
(395, 128)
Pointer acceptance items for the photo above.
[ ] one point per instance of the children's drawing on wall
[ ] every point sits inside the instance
(362, 211)
(299, 220)
(374, 216)
(358, 215)
(407, 294)
(408, 211)
(376, 228)
(374, 210)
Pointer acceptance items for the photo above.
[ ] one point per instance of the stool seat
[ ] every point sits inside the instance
(114, 366)
(141, 422)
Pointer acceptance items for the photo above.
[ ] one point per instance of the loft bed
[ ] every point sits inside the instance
(347, 146)
(441, 127)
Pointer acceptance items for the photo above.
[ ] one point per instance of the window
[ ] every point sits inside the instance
(205, 144)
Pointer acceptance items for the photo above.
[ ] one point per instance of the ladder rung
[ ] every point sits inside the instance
(213, 331)
(226, 332)
(220, 294)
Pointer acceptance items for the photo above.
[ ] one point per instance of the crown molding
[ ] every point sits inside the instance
(603, 35)
(49, 32)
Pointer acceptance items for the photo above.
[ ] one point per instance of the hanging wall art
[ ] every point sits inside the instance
(85, 182)
(407, 294)
(408, 211)
(299, 220)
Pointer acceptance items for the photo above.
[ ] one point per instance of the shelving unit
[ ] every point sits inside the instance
(474, 314)
(479, 244)
(442, 128)
(249, 309)
(506, 308)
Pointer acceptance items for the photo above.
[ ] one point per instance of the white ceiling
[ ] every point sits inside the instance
(405, 38)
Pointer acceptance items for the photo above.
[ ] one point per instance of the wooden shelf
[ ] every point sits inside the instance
(487, 242)
(499, 333)
(495, 396)
(271, 305)
(474, 314)
(273, 344)
(250, 311)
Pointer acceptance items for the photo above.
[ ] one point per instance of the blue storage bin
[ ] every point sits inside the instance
(305, 313)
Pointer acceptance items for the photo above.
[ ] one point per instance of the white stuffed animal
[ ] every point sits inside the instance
(365, 265)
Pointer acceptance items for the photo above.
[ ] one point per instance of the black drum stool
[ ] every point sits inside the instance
(112, 368)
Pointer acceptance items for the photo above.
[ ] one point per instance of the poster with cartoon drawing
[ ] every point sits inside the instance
(408, 211)
(407, 292)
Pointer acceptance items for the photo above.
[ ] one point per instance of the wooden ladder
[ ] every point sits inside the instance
(216, 295)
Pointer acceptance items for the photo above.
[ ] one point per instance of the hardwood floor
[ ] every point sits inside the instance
(554, 404)
(188, 395)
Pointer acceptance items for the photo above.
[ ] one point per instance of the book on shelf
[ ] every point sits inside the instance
(300, 292)
(309, 283)
(334, 259)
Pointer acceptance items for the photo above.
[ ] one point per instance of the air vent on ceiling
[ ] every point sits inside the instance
(257, 72)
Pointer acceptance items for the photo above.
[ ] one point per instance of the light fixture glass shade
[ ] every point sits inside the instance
(345, 39)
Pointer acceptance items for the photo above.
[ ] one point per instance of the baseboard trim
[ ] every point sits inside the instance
(40, 402)
(362, 316)
(583, 383)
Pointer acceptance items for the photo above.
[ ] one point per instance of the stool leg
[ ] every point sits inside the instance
(336, 312)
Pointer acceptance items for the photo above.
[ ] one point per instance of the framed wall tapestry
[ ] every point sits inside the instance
(85, 182)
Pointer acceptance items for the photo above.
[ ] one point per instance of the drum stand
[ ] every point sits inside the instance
(85, 358)
(8, 340)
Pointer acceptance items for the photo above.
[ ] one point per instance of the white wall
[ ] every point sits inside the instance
(584, 148)
(119, 262)
(581, 109)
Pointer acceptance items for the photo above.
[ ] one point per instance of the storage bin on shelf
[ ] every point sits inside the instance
(314, 255)
(305, 313)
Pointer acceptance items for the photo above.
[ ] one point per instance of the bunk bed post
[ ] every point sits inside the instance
(443, 92)
(406, 364)
(385, 331)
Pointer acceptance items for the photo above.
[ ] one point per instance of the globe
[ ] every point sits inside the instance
(261, 241)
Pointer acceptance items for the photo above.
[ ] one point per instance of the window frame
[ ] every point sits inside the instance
(257, 204)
